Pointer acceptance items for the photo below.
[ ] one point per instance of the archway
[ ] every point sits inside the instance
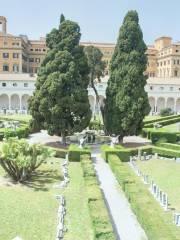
(152, 103)
(24, 102)
(170, 103)
(15, 102)
(160, 104)
(4, 101)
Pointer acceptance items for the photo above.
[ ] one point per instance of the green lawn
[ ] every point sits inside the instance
(17, 117)
(30, 211)
(173, 127)
(167, 175)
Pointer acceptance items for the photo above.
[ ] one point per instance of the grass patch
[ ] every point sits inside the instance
(30, 210)
(167, 175)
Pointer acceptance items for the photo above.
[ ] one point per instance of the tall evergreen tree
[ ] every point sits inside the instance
(96, 67)
(126, 101)
(60, 102)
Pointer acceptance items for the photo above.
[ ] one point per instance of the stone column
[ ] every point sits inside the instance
(9, 96)
(20, 102)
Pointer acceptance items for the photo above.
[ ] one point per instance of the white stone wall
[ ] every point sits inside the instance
(15, 91)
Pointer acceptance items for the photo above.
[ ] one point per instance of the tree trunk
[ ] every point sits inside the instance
(63, 137)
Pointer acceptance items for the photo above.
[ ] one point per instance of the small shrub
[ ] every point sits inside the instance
(19, 159)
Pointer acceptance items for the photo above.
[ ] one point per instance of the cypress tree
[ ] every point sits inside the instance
(60, 102)
(126, 102)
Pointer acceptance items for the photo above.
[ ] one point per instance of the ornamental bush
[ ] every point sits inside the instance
(20, 159)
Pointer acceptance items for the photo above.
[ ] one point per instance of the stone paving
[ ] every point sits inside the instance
(124, 221)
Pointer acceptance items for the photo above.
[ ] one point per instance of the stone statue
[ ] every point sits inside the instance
(114, 140)
(81, 142)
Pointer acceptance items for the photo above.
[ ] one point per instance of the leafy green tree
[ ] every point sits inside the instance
(166, 112)
(126, 101)
(20, 159)
(96, 66)
(60, 102)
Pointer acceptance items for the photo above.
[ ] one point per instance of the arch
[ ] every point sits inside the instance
(178, 105)
(24, 101)
(4, 101)
(152, 103)
(160, 104)
(170, 103)
(15, 102)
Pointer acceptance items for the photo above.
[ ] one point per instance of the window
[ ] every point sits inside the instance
(31, 49)
(14, 84)
(36, 50)
(5, 67)
(15, 68)
(5, 55)
(178, 62)
(161, 88)
(44, 50)
(177, 50)
(15, 44)
(171, 88)
(3, 84)
(176, 73)
(174, 62)
(15, 55)
(31, 59)
(37, 60)
(25, 84)
(151, 87)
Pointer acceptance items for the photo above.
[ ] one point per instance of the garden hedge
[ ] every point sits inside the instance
(164, 122)
(166, 152)
(75, 153)
(160, 135)
(160, 119)
(169, 146)
(21, 132)
(98, 212)
(123, 153)
(156, 223)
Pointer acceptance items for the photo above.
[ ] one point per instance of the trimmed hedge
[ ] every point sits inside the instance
(21, 132)
(98, 212)
(59, 152)
(156, 223)
(166, 152)
(159, 134)
(160, 119)
(169, 146)
(165, 122)
(123, 153)
(75, 153)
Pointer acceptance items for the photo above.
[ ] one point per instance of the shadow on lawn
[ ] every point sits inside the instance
(43, 180)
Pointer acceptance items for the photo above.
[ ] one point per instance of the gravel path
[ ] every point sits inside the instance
(124, 221)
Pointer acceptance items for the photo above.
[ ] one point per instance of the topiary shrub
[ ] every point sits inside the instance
(20, 159)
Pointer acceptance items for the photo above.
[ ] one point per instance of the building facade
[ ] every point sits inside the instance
(20, 59)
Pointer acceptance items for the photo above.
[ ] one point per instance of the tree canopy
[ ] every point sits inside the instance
(60, 102)
(126, 101)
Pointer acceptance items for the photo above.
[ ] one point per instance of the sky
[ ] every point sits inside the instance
(99, 20)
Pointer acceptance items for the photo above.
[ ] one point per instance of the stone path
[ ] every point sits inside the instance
(124, 221)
